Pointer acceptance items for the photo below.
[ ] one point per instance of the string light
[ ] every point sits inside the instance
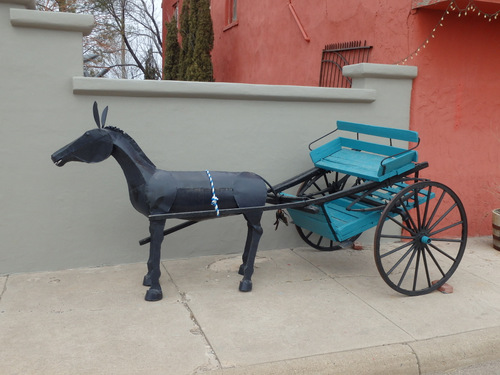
(452, 7)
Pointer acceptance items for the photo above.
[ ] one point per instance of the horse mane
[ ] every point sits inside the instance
(118, 130)
(131, 141)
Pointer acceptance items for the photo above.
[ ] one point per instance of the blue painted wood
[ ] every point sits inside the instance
(326, 150)
(375, 148)
(368, 160)
(350, 223)
(386, 194)
(379, 131)
(317, 223)
(344, 224)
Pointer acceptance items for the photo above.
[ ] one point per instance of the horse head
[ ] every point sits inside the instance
(93, 146)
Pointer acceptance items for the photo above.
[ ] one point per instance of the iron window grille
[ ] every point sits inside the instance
(336, 56)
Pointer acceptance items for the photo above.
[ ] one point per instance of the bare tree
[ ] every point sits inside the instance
(126, 41)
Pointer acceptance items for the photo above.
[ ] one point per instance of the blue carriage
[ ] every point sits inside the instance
(420, 225)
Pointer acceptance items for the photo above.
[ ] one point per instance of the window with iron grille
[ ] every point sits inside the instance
(335, 56)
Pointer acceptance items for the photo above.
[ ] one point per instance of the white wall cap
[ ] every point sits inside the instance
(218, 90)
(30, 4)
(83, 23)
(367, 70)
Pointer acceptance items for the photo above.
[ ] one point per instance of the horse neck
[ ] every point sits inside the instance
(135, 164)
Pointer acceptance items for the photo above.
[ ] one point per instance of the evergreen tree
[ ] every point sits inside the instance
(151, 70)
(201, 68)
(187, 40)
(173, 50)
(195, 62)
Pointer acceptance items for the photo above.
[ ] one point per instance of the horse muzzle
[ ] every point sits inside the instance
(58, 158)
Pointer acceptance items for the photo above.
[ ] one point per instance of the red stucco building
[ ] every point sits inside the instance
(455, 45)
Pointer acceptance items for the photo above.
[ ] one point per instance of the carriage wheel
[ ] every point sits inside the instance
(418, 247)
(323, 184)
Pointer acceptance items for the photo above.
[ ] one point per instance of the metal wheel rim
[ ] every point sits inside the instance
(424, 258)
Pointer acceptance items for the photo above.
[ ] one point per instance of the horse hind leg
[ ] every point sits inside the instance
(253, 237)
(244, 257)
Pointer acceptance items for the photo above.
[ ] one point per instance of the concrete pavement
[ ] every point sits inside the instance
(310, 312)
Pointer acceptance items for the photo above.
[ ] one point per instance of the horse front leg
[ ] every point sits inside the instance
(152, 278)
(246, 269)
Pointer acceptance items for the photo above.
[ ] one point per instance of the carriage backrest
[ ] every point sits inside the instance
(379, 131)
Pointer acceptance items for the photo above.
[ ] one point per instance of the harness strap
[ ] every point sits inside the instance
(214, 197)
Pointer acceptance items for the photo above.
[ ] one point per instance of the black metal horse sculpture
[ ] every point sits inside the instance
(154, 192)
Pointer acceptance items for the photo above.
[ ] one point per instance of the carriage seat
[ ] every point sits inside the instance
(366, 159)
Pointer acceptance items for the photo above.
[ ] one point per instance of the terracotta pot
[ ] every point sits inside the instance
(496, 228)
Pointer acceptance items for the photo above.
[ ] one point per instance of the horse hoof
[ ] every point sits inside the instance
(241, 271)
(147, 281)
(153, 295)
(245, 285)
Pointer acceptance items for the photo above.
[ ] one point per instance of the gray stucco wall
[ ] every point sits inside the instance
(79, 215)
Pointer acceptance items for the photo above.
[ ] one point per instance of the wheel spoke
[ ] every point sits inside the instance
(400, 260)
(409, 230)
(446, 228)
(396, 249)
(441, 251)
(457, 240)
(327, 183)
(438, 204)
(427, 203)
(434, 259)
(427, 274)
(340, 184)
(417, 208)
(399, 237)
(415, 275)
(442, 217)
(319, 241)
(317, 187)
(409, 219)
(407, 268)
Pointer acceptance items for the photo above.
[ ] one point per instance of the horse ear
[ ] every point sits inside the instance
(96, 115)
(104, 115)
